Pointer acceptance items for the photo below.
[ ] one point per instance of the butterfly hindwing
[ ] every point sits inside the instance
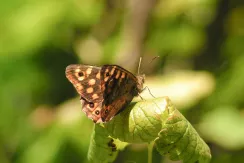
(92, 110)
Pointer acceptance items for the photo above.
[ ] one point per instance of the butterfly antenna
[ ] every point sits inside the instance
(148, 62)
(139, 66)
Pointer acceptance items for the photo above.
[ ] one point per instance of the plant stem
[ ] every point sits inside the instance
(149, 152)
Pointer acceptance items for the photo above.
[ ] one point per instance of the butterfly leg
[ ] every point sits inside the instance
(140, 96)
(148, 91)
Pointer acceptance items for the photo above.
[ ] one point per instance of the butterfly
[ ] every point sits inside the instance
(104, 91)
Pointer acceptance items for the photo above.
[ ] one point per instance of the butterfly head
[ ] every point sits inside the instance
(140, 82)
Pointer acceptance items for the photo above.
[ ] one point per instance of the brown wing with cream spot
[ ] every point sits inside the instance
(118, 105)
(119, 86)
(86, 80)
(92, 110)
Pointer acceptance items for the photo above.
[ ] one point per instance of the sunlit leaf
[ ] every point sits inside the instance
(156, 120)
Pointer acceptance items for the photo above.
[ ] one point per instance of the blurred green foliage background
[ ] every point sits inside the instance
(201, 68)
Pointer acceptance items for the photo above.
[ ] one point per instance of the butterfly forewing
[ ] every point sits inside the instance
(86, 80)
(119, 87)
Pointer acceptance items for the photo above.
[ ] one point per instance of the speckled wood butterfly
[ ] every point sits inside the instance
(105, 91)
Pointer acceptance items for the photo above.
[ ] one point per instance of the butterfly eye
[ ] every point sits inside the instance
(106, 111)
(107, 74)
(91, 105)
(80, 74)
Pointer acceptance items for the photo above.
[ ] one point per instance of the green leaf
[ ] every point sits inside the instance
(138, 123)
(146, 121)
(180, 141)
(103, 148)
